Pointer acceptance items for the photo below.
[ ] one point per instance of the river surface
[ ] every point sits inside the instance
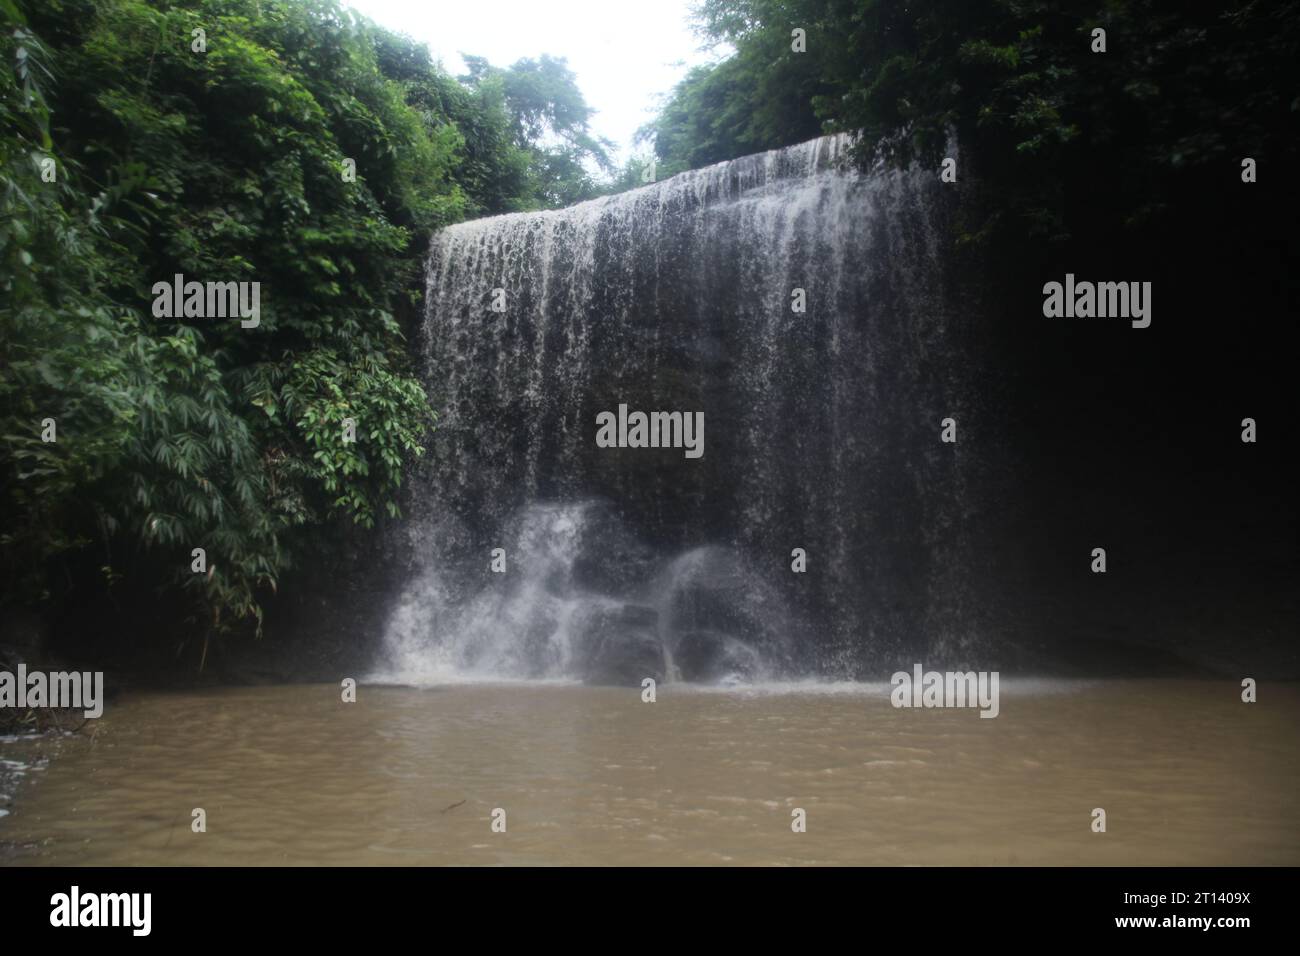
(1186, 773)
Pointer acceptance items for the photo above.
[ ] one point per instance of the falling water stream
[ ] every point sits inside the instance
(796, 303)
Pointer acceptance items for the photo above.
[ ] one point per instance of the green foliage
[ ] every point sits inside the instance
(64, 352)
(551, 148)
(1038, 115)
(756, 99)
(634, 174)
(223, 166)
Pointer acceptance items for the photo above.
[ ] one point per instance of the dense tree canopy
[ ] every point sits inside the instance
(550, 127)
(1038, 114)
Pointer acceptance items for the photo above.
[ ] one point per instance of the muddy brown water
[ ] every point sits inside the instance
(1186, 773)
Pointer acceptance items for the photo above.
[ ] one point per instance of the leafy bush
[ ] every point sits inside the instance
(224, 165)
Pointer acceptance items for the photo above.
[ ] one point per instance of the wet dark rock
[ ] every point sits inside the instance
(708, 657)
(621, 647)
(715, 596)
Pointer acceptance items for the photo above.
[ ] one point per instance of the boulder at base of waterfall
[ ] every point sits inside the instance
(621, 647)
(711, 657)
(715, 593)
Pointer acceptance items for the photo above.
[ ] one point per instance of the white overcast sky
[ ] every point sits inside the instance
(625, 54)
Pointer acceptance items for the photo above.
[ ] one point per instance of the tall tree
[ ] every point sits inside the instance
(550, 122)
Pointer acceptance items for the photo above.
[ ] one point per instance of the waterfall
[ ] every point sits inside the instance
(822, 431)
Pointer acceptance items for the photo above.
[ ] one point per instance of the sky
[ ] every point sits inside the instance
(624, 54)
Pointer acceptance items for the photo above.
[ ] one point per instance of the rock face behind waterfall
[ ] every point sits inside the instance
(821, 433)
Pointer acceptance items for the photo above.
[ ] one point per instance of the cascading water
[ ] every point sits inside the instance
(794, 301)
